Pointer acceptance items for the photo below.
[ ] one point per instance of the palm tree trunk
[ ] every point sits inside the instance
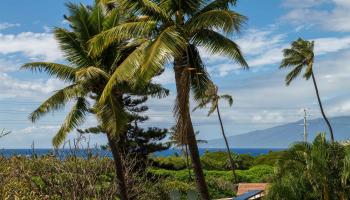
(227, 146)
(321, 107)
(123, 192)
(191, 138)
(188, 162)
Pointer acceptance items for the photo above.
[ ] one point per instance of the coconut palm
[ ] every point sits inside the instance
(300, 56)
(320, 170)
(212, 97)
(175, 29)
(87, 76)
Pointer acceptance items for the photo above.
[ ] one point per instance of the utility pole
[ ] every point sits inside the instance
(305, 128)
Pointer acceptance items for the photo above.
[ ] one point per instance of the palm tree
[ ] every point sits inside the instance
(87, 76)
(300, 56)
(320, 170)
(175, 29)
(212, 97)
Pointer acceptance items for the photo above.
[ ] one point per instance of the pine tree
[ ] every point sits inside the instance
(137, 141)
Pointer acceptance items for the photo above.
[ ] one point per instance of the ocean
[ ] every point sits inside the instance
(62, 153)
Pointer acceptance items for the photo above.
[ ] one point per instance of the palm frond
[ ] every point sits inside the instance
(200, 78)
(154, 90)
(308, 71)
(218, 5)
(60, 71)
(145, 7)
(123, 32)
(292, 60)
(74, 118)
(214, 106)
(228, 98)
(293, 74)
(219, 44)
(55, 102)
(202, 104)
(74, 50)
(113, 19)
(167, 45)
(112, 117)
(91, 73)
(225, 20)
(78, 19)
(96, 18)
(125, 71)
(93, 130)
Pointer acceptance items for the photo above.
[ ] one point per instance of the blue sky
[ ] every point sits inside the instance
(261, 98)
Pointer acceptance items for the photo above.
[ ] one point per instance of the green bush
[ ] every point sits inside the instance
(268, 159)
(171, 162)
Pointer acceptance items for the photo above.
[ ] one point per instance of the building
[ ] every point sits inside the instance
(251, 191)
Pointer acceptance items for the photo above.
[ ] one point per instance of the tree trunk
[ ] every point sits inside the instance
(188, 163)
(227, 146)
(190, 137)
(321, 107)
(120, 179)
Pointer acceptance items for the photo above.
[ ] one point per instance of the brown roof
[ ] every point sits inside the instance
(245, 187)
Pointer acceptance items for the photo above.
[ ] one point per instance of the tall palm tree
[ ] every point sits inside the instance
(212, 97)
(87, 76)
(175, 29)
(300, 56)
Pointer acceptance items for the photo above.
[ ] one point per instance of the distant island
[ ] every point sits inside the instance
(284, 135)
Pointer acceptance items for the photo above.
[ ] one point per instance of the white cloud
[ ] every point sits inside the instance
(7, 25)
(331, 44)
(335, 18)
(303, 4)
(264, 47)
(14, 88)
(268, 117)
(33, 129)
(38, 45)
(42, 136)
(256, 42)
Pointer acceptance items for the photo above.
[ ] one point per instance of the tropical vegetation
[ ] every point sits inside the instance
(112, 51)
(87, 76)
(320, 170)
(174, 30)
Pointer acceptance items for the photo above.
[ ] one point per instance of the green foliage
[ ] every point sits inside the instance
(219, 182)
(171, 162)
(270, 158)
(312, 171)
(180, 186)
(215, 161)
(74, 178)
(219, 161)
(35, 178)
(255, 174)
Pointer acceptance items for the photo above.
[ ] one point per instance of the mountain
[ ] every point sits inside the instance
(284, 135)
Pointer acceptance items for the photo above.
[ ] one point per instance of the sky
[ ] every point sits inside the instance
(261, 99)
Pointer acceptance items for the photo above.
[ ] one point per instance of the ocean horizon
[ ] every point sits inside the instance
(62, 153)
